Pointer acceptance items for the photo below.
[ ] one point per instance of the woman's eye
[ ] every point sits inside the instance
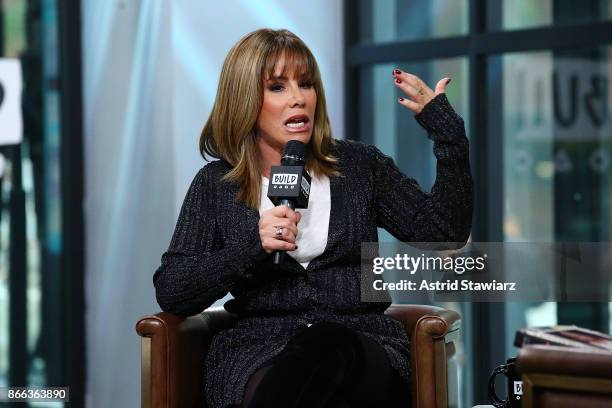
(280, 87)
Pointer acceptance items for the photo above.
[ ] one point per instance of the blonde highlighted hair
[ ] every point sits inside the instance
(230, 131)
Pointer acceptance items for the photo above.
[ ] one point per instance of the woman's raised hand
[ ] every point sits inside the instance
(278, 229)
(419, 94)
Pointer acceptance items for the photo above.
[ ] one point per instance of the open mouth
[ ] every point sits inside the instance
(298, 123)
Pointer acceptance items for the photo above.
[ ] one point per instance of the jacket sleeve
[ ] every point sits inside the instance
(196, 270)
(445, 213)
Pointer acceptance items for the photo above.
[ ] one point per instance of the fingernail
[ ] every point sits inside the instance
(396, 71)
(397, 80)
(400, 99)
(448, 81)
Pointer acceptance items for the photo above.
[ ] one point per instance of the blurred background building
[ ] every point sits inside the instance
(115, 93)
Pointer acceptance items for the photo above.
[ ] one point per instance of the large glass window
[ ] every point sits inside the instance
(557, 145)
(539, 123)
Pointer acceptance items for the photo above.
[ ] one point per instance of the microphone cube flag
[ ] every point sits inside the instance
(291, 183)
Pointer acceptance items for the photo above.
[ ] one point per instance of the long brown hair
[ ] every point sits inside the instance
(230, 131)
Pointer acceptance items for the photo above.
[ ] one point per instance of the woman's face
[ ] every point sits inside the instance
(287, 112)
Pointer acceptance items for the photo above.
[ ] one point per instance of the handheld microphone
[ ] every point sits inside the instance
(289, 182)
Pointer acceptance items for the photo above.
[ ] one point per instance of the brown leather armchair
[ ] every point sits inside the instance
(173, 351)
(562, 377)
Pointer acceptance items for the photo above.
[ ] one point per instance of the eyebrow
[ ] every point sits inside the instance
(284, 78)
(277, 77)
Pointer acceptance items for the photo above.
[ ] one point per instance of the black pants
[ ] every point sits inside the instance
(328, 365)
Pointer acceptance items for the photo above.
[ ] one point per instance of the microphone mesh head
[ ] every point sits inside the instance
(295, 150)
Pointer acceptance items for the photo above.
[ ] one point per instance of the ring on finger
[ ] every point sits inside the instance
(278, 233)
(421, 91)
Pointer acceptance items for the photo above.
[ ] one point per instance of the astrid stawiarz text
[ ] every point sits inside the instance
(448, 286)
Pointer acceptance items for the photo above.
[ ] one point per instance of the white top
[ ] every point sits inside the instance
(314, 224)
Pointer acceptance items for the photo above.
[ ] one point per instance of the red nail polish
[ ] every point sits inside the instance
(401, 99)
(397, 80)
(397, 71)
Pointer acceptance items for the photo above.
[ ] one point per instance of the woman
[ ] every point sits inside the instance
(303, 335)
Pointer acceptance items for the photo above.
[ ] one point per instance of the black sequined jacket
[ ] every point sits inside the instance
(216, 247)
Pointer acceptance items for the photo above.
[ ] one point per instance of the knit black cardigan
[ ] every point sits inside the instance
(216, 248)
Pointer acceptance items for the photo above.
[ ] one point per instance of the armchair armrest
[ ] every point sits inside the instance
(175, 376)
(432, 331)
(563, 377)
(545, 359)
(433, 321)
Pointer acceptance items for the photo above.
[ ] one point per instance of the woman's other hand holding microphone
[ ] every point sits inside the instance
(278, 229)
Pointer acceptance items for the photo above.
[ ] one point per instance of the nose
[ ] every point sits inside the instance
(297, 97)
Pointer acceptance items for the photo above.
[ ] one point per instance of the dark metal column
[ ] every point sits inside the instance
(486, 145)
(73, 259)
(17, 265)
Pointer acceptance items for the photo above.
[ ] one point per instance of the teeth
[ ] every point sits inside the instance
(295, 124)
